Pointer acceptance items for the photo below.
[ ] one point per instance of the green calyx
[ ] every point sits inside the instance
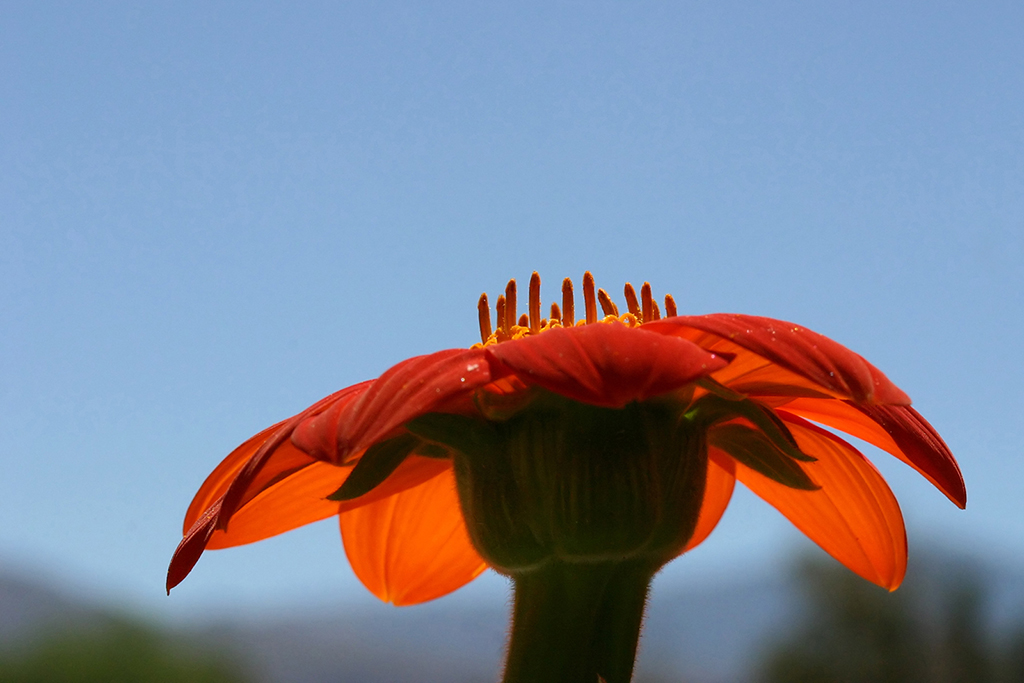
(569, 482)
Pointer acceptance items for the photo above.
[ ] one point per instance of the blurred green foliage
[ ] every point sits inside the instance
(929, 631)
(115, 651)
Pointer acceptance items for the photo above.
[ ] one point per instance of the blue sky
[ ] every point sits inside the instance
(212, 215)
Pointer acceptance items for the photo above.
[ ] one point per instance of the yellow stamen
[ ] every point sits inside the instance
(510, 305)
(534, 303)
(510, 327)
(670, 306)
(607, 305)
(631, 302)
(568, 309)
(501, 314)
(645, 296)
(485, 318)
(588, 297)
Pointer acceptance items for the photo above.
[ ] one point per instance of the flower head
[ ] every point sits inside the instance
(613, 436)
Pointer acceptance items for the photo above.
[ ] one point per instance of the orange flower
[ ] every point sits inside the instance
(755, 388)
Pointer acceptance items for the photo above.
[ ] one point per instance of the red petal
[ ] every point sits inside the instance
(192, 546)
(605, 364)
(717, 494)
(412, 547)
(899, 430)
(413, 387)
(277, 448)
(828, 364)
(853, 516)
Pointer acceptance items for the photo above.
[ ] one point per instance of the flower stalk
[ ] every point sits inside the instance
(574, 622)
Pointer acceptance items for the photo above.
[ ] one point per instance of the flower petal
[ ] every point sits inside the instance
(276, 456)
(412, 547)
(605, 364)
(296, 500)
(717, 494)
(192, 546)
(827, 363)
(899, 430)
(419, 385)
(220, 479)
(854, 516)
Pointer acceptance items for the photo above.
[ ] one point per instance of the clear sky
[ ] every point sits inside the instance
(213, 214)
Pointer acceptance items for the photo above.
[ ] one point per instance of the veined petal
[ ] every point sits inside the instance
(419, 385)
(828, 364)
(296, 500)
(606, 364)
(899, 430)
(717, 494)
(854, 516)
(412, 547)
(413, 471)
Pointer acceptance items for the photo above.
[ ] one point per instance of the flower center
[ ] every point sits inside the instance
(511, 325)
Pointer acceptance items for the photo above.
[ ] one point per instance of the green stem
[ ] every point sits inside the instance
(573, 621)
(620, 621)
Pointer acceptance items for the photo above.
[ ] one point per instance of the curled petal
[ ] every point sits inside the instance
(899, 430)
(419, 385)
(853, 516)
(192, 546)
(606, 364)
(215, 486)
(412, 546)
(829, 365)
(717, 494)
(276, 456)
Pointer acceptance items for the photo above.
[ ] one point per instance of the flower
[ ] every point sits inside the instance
(403, 460)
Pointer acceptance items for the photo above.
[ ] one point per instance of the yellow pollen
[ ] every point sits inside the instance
(511, 326)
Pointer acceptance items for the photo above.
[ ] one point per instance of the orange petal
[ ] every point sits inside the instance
(300, 497)
(284, 459)
(413, 471)
(412, 547)
(294, 501)
(854, 516)
(717, 494)
(899, 430)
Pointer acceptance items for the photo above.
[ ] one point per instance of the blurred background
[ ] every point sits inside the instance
(212, 215)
